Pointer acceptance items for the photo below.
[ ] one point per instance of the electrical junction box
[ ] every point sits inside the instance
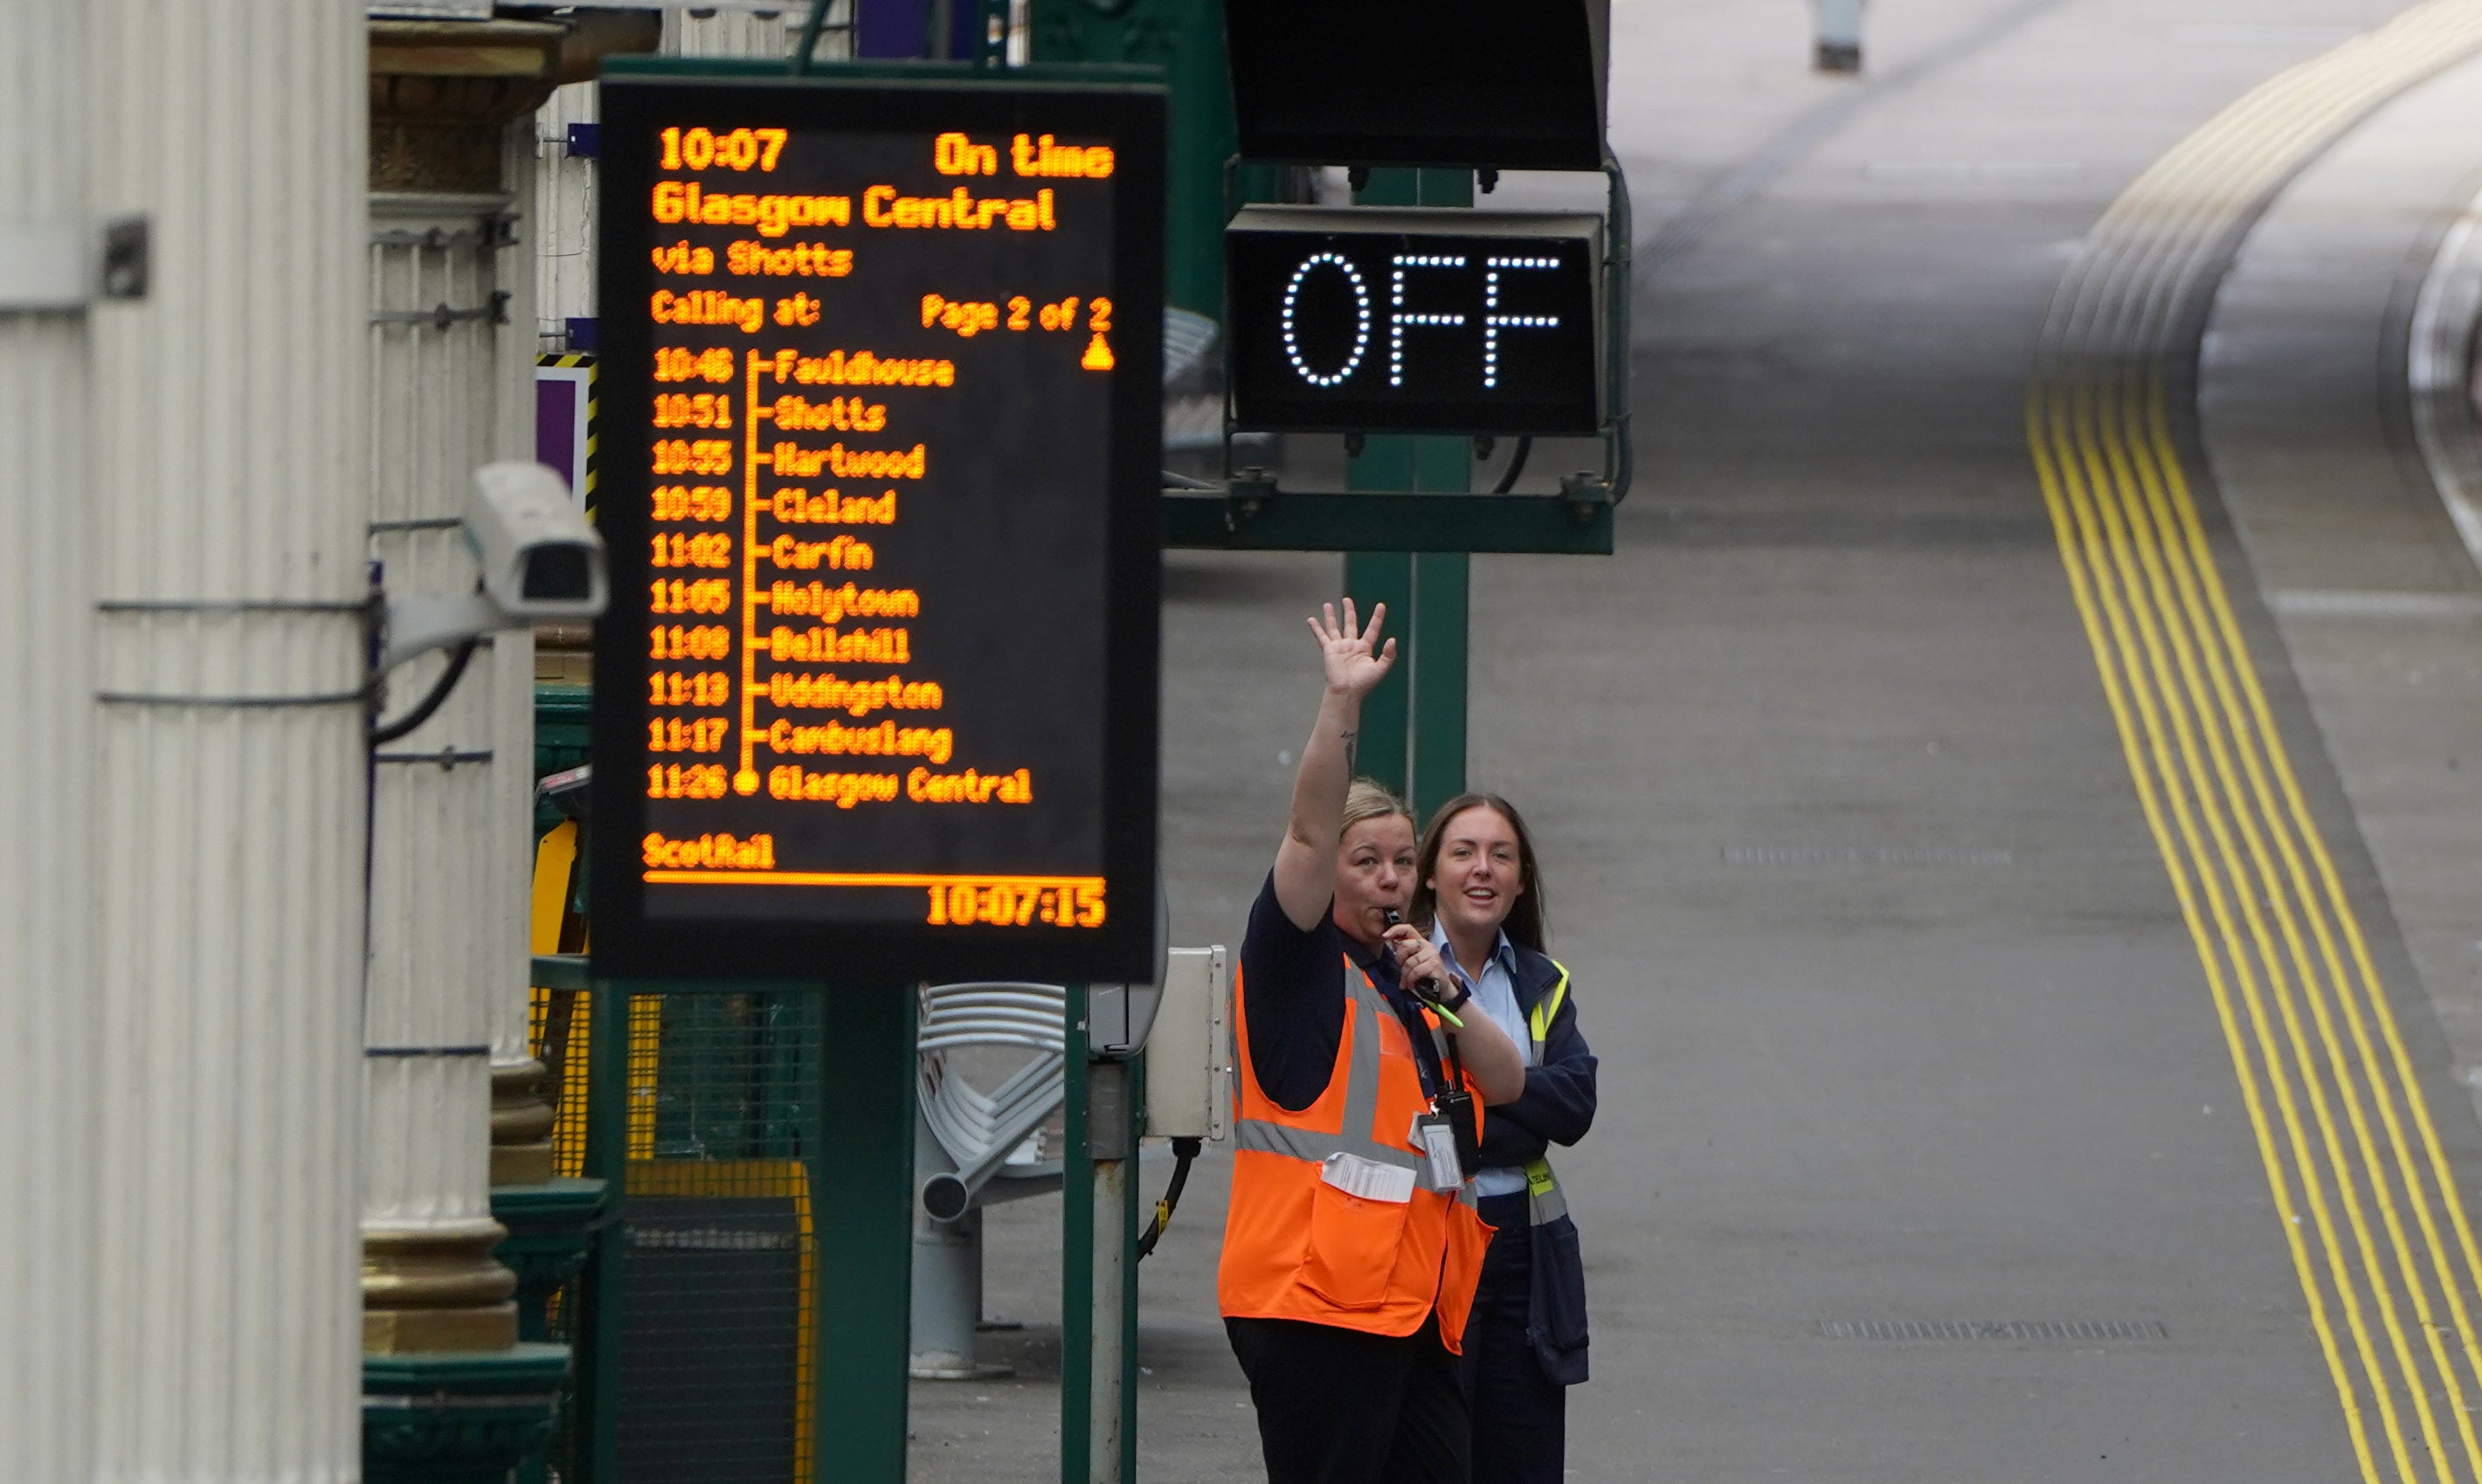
(1189, 1053)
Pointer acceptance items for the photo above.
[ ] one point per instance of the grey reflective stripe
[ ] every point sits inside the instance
(1277, 1139)
(1361, 1078)
(1360, 1100)
(1547, 1205)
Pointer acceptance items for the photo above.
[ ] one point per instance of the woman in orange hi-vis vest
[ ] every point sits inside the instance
(1353, 1243)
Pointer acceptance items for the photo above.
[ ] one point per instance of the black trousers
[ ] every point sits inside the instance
(1520, 1425)
(1336, 1406)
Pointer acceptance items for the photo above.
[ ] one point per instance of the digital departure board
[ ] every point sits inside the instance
(1413, 319)
(876, 697)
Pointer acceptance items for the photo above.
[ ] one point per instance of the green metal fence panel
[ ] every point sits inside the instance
(717, 1380)
(696, 1319)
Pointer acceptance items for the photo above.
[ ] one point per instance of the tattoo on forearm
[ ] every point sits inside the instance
(1349, 738)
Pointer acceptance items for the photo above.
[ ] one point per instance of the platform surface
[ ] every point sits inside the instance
(1902, 1030)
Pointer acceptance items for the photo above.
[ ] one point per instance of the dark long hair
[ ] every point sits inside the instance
(1528, 923)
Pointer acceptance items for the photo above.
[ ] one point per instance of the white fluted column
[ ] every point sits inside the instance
(451, 348)
(426, 1227)
(522, 1105)
(230, 514)
(47, 900)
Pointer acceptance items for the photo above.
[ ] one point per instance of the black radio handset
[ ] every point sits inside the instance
(1453, 1101)
(1433, 992)
(1395, 919)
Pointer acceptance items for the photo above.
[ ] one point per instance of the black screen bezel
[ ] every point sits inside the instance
(625, 943)
(1260, 407)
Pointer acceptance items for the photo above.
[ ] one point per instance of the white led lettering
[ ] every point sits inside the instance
(1398, 317)
(1493, 322)
(1360, 319)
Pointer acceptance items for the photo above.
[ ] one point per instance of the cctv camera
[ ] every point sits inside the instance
(541, 559)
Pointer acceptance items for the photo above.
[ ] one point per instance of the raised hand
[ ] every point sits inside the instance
(1356, 663)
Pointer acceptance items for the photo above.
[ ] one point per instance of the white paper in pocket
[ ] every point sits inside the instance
(1367, 1178)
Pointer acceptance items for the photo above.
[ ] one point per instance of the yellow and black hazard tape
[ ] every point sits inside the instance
(583, 360)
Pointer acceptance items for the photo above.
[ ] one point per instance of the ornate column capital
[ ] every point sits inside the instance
(442, 93)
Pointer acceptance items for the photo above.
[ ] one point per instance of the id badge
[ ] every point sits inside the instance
(1433, 1136)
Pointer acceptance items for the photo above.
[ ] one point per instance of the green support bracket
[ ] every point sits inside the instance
(561, 971)
(552, 1230)
(459, 1417)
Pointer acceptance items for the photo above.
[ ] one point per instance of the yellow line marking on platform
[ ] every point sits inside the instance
(2286, 958)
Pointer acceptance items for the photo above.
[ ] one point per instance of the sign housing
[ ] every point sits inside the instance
(1415, 320)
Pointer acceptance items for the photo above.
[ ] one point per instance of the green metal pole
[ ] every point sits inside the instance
(606, 1158)
(1414, 725)
(1134, 1106)
(1441, 586)
(1372, 578)
(865, 1229)
(1076, 1254)
(1441, 581)
(1386, 461)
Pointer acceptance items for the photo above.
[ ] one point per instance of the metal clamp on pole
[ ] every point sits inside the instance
(61, 267)
(45, 267)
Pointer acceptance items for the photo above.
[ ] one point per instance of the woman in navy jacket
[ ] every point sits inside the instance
(1478, 890)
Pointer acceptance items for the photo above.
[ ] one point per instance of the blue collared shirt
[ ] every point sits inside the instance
(1496, 994)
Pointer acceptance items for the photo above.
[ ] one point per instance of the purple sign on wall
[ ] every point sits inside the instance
(565, 420)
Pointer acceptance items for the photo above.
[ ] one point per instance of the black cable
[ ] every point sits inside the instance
(1183, 1151)
(381, 736)
(1515, 465)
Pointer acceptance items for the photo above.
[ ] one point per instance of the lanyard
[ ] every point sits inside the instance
(1451, 1106)
(1426, 1051)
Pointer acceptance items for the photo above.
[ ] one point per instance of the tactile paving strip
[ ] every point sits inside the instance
(1864, 855)
(2020, 1330)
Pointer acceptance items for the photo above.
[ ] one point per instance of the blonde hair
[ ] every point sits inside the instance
(1369, 800)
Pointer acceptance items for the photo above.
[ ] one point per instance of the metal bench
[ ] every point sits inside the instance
(973, 1148)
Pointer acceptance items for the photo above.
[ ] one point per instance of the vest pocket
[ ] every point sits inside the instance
(1351, 1252)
